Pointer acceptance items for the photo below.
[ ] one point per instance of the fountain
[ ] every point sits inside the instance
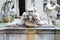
(51, 6)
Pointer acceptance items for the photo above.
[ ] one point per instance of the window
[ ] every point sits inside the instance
(58, 15)
(44, 5)
(45, 0)
(21, 7)
(32, 1)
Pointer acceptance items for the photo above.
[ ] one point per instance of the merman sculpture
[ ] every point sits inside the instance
(7, 11)
(51, 6)
(31, 17)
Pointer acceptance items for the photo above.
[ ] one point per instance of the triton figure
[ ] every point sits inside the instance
(51, 6)
(31, 17)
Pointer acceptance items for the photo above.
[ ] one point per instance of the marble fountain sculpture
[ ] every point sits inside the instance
(29, 18)
(7, 11)
(32, 18)
(51, 6)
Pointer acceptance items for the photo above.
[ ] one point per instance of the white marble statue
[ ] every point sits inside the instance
(51, 6)
(8, 10)
(31, 17)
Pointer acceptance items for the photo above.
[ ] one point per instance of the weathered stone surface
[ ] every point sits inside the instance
(21, 33)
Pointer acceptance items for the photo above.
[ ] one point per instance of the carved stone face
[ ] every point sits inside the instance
(30, 12)
(53, 2)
